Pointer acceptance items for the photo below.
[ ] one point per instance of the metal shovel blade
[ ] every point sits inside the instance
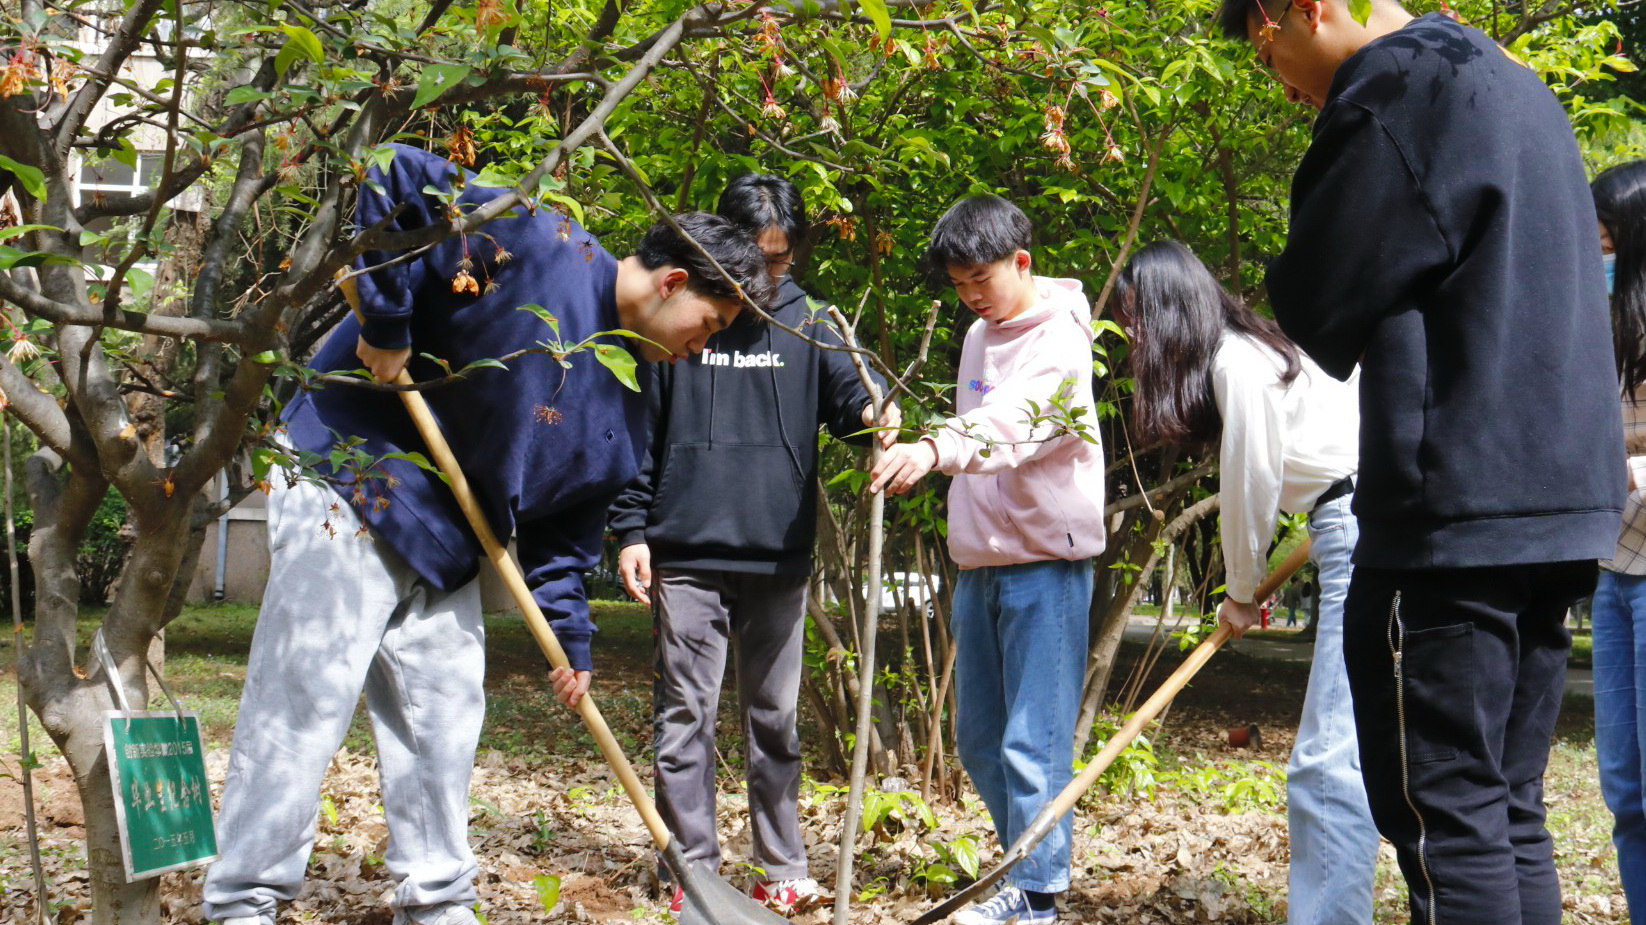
(710, 900)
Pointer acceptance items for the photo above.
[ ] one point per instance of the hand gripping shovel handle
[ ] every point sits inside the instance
(704, 889)
(1049, 814)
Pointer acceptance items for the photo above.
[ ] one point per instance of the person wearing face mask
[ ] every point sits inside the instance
(1619, 612)
(1441, 238)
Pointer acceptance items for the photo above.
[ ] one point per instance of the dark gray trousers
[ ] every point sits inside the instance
(761, 621)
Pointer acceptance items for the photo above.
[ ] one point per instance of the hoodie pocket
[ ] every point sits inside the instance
(743, 499)
(1038, 517)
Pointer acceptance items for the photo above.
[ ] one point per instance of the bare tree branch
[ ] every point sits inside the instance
(64, 498)
(599, 32)
(1531, 18)
(122, 45)
(213, 257)
(240, 399)
(1159, 491)
(239, 122)
(37, 410)
(124, 319)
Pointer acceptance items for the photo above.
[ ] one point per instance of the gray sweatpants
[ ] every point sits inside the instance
(763, 618)
(344, 613)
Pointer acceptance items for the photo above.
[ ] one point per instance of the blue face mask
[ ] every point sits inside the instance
(1609, 261)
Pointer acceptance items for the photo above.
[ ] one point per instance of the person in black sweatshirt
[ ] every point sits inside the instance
(1442, 236)
(372, 581)
(725, 560)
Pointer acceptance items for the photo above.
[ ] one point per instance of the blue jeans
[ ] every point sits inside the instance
(1334, 842)
(1620, 712)
(1020, 641)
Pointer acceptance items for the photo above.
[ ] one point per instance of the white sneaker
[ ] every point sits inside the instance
(790, 895)
(1007, 907)
(247, 920)
(443, 914)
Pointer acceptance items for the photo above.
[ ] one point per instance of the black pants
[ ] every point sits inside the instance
(1457, 677)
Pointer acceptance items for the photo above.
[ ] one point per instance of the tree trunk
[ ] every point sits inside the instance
(69, 701)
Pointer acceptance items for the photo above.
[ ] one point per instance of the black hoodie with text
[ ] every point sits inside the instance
(729, 483)
(1443, 237)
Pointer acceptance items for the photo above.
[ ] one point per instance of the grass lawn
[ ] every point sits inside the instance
(206, 649)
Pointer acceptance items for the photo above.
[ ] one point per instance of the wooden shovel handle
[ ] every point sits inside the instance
(1169, 689)
(507, 570)
(535, 621)
(1049, 814)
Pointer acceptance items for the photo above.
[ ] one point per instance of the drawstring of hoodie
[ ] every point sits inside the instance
(782, 428)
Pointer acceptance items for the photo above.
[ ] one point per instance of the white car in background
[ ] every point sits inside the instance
(916, 589)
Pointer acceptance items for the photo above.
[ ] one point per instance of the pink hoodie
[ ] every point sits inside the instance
(1017, 496)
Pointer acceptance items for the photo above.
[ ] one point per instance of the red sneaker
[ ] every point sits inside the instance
(787, 895)
(678, 900)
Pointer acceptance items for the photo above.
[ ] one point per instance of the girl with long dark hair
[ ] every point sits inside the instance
(1212, 373)
(1619, 613)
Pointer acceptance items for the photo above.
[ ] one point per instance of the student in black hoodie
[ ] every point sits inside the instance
(1443, 237)
(725, 561)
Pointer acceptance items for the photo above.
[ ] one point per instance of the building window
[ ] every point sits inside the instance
(112, 179)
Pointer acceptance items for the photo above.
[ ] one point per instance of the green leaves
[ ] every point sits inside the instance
(246, 93)
(31, 178)
(437, 79)
(547, 316)
(882, 17)
(421, 462)
(300, 43)
(11, 257)
(548, 891)
(264, 459)
(620, 362)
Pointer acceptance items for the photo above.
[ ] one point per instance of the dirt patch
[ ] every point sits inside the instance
(57, 803)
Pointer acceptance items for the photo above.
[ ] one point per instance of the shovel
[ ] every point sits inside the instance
(709, 900)
(1049, 814)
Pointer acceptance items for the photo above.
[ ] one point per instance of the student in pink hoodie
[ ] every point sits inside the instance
(1025, 519)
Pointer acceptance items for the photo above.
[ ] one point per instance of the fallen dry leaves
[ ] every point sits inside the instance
(1175, 857)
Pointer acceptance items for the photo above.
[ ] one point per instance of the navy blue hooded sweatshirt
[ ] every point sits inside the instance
(1444, 237)
(728, 484)
(545, 447)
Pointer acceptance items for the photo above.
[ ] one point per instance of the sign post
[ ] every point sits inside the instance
(161, 796)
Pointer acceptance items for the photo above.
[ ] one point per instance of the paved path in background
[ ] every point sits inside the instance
(1580, 681)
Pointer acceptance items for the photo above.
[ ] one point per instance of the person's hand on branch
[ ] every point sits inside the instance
(1239, 617)
(634, 563)
(385, 365)
(903, 465)
(570, 686)
(891, 420)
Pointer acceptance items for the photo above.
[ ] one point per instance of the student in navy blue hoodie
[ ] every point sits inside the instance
(372, 584)
(1443, 237)
(726, 561)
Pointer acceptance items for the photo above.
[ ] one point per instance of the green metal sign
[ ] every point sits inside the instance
(162, 798)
